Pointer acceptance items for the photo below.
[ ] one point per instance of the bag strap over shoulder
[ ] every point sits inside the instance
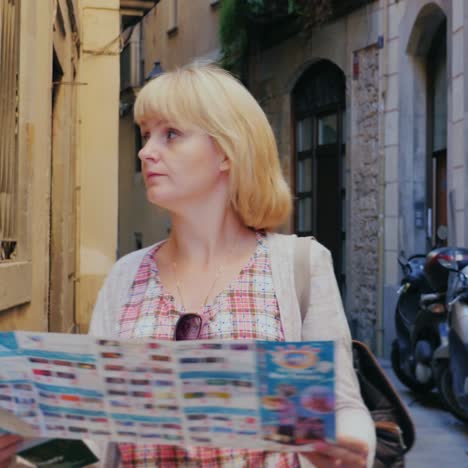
(302, 272)
(386, 399)
(365, 364)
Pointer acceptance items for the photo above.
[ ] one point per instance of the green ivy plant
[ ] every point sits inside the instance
(260, 6)
(232, 33)
(236, 16)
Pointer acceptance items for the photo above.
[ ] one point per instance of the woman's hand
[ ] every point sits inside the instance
(347, 452)
(8, 445)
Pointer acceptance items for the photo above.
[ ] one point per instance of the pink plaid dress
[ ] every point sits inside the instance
(246, 309)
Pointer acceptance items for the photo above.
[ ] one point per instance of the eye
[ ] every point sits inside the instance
(145, 137)
(171, 134)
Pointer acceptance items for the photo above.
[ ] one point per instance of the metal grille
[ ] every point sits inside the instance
(9, 64)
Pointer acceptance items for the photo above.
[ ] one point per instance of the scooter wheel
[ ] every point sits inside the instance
(444, 385)
(405, 379)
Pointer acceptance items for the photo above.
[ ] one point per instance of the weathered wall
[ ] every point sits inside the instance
(364, 209)
(97, 151)
(63, 185)
(177, 41)
(395, 127)
(34, 143)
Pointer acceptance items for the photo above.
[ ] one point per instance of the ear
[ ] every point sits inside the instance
(224, 164)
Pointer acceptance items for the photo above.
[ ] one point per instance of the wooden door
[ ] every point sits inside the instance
(440, 191)
(319, 106)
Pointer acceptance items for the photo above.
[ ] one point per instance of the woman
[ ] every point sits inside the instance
(210, 159)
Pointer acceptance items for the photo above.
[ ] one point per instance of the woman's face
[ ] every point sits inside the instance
(180, 166)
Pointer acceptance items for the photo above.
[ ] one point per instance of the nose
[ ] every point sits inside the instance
(149, 152)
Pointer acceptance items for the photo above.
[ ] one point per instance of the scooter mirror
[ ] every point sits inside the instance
(402, 261)
(450, 265)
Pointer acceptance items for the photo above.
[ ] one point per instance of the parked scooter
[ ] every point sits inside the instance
(451, 358)
(420, 320)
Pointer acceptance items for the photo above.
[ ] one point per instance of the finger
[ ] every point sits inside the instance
(6, 462)
(344, 455)
(355, 445)
(320, 460)
(8, 439)
(8, 449)
(7, 454)
(360, 464)
(348, 458)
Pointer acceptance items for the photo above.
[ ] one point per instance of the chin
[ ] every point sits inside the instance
(155, 196)
(162, 200)
(171, 201)
(158, 201)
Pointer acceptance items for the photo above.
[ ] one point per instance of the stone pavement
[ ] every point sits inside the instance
(441, 440)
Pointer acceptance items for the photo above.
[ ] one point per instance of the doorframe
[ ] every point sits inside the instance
(434, 155)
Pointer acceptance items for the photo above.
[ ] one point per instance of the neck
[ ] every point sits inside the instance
(202, 236)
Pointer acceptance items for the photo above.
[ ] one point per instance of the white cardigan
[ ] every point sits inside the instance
(324, 320)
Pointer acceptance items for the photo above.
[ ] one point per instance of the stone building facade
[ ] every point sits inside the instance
(426, 148)
(404, 163)
(369, 113)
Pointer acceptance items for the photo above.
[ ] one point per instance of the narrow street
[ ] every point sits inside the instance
(441, 440)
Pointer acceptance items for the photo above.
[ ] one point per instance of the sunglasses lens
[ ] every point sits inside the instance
(188, 327)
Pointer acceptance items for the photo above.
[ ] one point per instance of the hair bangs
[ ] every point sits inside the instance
(162, 99)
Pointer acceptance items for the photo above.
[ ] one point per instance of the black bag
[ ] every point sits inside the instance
(393, 425)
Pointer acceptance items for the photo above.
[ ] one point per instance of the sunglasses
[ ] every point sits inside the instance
(188, 327)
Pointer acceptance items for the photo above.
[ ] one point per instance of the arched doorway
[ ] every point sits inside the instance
(319, 115)
(423, 97)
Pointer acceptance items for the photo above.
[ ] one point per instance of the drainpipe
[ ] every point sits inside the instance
(383, 68)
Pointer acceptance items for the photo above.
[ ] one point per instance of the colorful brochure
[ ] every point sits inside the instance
(239, 394)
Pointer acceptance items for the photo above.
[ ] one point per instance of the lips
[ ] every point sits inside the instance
(154, 175)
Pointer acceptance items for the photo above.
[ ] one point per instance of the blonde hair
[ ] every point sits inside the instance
(211, 99)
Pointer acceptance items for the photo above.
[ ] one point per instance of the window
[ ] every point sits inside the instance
(15, 269)
(9, 131)
(125, 67)
(131, 60)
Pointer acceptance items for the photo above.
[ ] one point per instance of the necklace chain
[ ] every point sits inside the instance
(219, 272)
